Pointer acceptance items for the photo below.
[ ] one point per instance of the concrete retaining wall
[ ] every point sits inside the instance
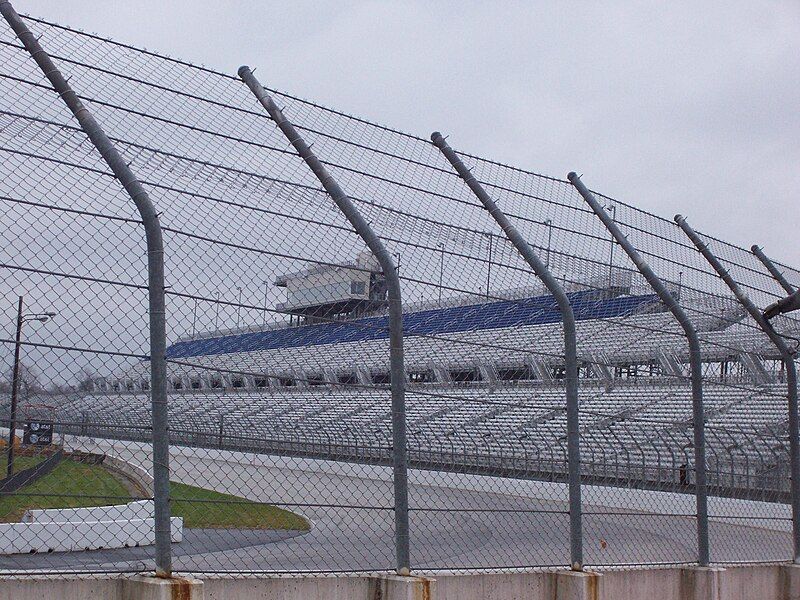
(763, 582)
(134, 473)
(32, 474)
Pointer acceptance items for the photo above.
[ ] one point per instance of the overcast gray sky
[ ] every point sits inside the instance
(674, 107)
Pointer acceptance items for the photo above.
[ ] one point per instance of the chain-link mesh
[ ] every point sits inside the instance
(278, 365)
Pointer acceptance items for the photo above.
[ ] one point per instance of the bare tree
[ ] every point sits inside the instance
(86, 380)
(29, 380)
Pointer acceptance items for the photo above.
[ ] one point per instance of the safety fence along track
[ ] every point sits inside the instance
(248, 333)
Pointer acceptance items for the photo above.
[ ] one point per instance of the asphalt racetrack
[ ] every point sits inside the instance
(451, 528)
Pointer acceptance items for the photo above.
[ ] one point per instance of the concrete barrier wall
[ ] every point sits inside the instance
(24, 538)
(763, 582)
(141, 509)
(89, 528)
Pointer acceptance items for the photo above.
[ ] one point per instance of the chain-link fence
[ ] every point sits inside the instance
(311, 426)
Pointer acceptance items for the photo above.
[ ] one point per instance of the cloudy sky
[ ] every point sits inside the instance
(675, 107)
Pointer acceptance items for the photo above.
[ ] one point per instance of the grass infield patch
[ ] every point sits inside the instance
(213, 510)
(75, 484)
(70, 485)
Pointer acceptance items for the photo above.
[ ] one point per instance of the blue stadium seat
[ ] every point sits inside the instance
(588, 304)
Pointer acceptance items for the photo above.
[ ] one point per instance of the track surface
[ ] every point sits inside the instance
(451, 529)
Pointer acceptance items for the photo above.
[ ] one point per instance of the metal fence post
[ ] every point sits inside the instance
(570, 343)
(363, 229)
(155, 280)
(773, 269)
(695, 362)
(788, 361)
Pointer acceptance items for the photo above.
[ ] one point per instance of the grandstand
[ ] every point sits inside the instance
(492, 400)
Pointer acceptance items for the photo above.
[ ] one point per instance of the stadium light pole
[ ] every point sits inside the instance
(549, 224)
(194, 319)
(12, 421)
(216, 317)
(266, 299)
(440, 245)
(570, 343)
(238, 306)
(787, 356)
(612, 208)
(489, 269)
(695, 360)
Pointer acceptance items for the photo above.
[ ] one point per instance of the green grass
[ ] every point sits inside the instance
(75, 485)
(70, 485)
(208, 509)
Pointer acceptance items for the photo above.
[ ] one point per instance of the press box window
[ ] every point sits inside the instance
(358, 288)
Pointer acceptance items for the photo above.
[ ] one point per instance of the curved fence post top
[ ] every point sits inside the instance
(641, 264)
(328, 182)
(788, 362)
(695, 360)
(737, 291)
(156, 289)
(384, 257)
(786, 304)
(511, 232)
(542, 271)
(773, 269)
